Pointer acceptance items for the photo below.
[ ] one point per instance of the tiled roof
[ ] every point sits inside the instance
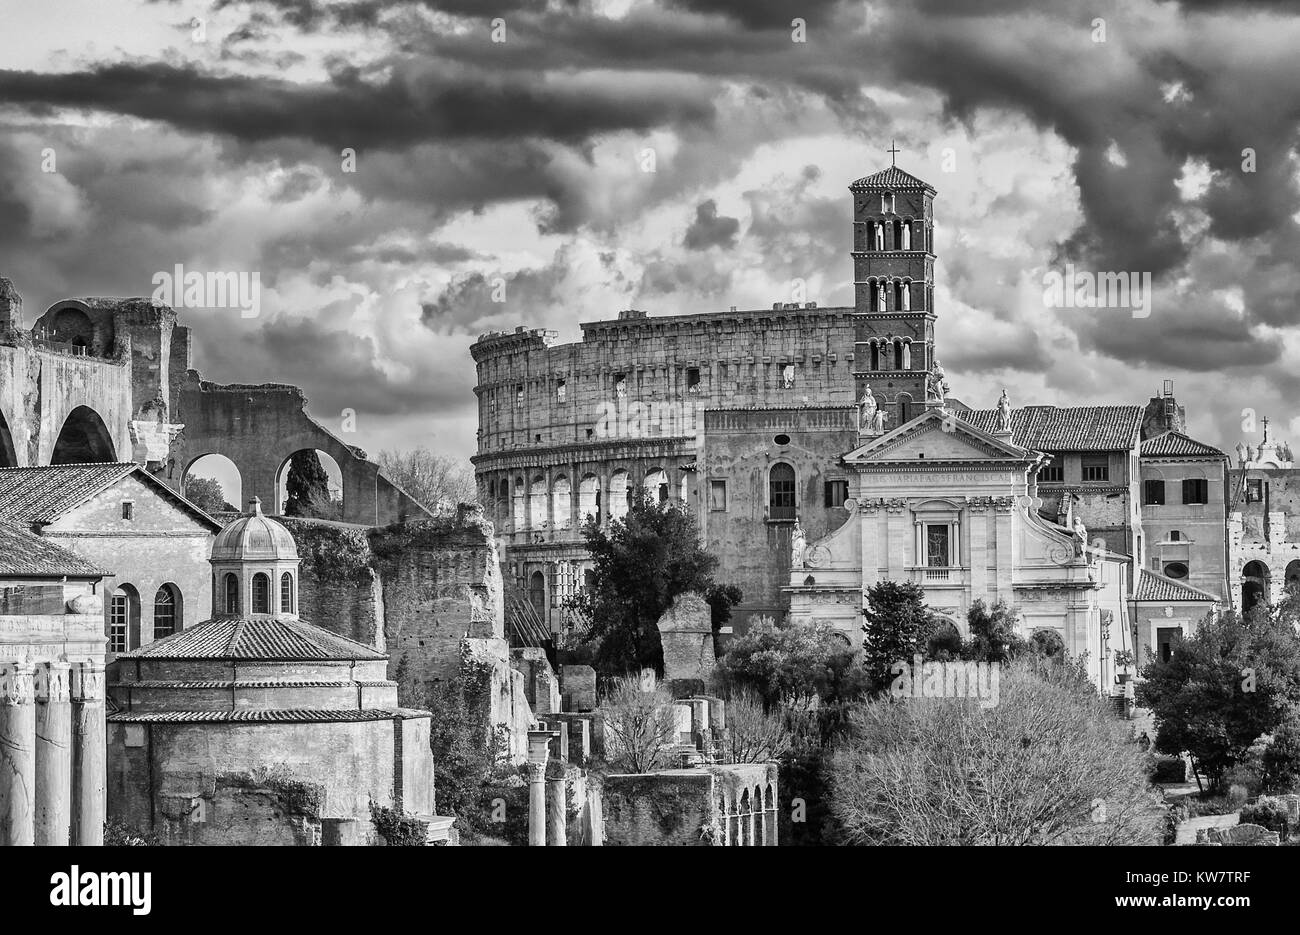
(263, 715)
(893, 177)
(1156, 587)
(25, 553)
(250, 683)
(255, 638)
(524, 626)
(1176, 444)
(1069, 428)
(34, 495)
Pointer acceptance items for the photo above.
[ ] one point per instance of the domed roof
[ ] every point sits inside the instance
(254, 537)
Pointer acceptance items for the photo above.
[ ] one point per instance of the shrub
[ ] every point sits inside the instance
(789, 664)
(1280, 761)
(117, 834)
(1269, 812)
(639, 726)
(397, 828)
(755, 734)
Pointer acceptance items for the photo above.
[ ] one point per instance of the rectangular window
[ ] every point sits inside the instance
(781, 492)
(519, 395)
(1153, 492)
(1254, 490)
(937, 543)
(692, 379)
(1196, 490)
(128, 509)
(117, 624)
(1051, 474)
(1096, 468)
(718, 496)
(560, 390)
(837, 491)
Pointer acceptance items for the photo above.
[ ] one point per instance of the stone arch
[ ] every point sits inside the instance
(72, 326)
(336, 508)
(84, 439)
(537, 497)
(904, 409)
(589, 497)
(1292, 573)
(945, 640)
(562, 503)
(618, 491)
(656, 485)
(8, 454)
(1048, 642)
(519, 505)
(219, 468)
(1254, 585)
(537, 592)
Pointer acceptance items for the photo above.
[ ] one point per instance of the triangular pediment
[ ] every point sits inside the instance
(936, 436)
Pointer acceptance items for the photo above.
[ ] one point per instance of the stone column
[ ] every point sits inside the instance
(53, 754)
(17, 755)
(557, 813)
(538, 753)
(89, 754)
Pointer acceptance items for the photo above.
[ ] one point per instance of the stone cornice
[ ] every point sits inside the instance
(608, 449)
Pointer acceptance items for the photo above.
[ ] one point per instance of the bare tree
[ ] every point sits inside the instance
(436, 481)
(1048, 764)
(755, 735)
(639, 726)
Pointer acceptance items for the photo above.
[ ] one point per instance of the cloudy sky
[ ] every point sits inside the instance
(511, 140)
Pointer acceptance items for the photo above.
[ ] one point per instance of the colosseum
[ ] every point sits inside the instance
(742, 414)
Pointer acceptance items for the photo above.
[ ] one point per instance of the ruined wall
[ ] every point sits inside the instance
(338, 587)
(740, 448)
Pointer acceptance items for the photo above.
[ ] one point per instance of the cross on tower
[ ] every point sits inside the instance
(893, 152)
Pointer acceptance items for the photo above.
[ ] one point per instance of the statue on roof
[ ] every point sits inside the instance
(1004, 413)
(867, 407)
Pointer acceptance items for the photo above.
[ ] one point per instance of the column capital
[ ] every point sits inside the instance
(53, 681)
(88, 681)
(17, 683)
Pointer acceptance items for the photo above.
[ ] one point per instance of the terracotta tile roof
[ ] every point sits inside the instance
(249, 683)
(1176, 444)
(255, 638)
(1069, 428)
(34, 495)
(263, 715)
(893, 177)
(25, 553)
(1156, 587)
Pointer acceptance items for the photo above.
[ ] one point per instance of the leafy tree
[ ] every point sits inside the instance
(1281, 758)
(790, 664)
(993, 635)
(898, 626)
(435, 481)
(1048, 764)
(308, 487)
(1229, 682)
(206, 494)
(641, 563)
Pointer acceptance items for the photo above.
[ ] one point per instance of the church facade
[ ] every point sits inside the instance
(821, 450)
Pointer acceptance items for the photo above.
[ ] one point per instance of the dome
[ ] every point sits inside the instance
(254, 537)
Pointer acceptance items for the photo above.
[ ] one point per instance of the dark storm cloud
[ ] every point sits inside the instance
(762, 14)
(415, 104)
(709, 229)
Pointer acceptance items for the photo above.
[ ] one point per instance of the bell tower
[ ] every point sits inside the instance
(893, 274)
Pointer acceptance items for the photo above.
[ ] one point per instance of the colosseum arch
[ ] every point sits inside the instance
(84, 439)
(618, 493)
(561, 502)
(589, 497)
(1254, 585)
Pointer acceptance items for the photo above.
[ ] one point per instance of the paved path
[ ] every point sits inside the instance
(1187, 830)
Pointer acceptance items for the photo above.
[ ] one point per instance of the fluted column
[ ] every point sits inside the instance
(538, 753)
(89, 754)
(17, 755)
(53, 754)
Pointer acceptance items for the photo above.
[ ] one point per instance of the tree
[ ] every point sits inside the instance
(993, 635)
(790, 664)
(308, 486)
(435, 481)
(639, 726)
(756, 732)
(641, 562)
(1281, 758)
(1049, 764)
(206, 494)
(898, 626)
(1222, 687)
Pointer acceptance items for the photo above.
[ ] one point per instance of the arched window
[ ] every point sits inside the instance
(537, 593)
(875, 356)
(904, 408)
(261, 594)
(780, 486)
(166, 612)
(230, 585)
(907, 236)
(286, 593)
(124, 620)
